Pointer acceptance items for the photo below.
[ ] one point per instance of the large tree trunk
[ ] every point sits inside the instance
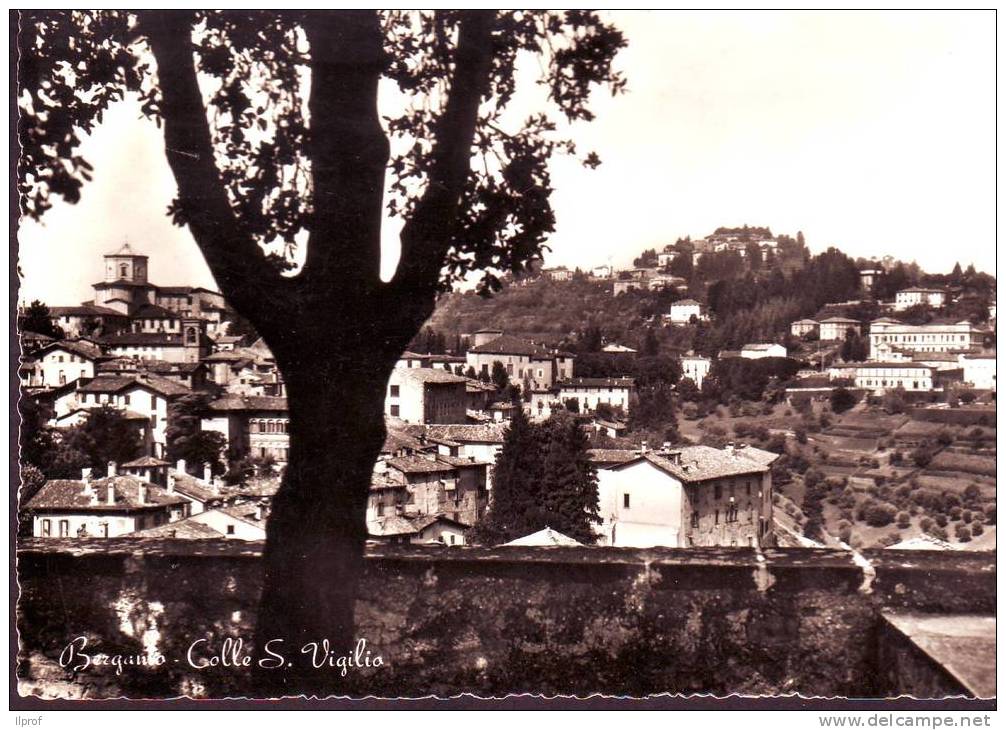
(336, 330)
(317, 527)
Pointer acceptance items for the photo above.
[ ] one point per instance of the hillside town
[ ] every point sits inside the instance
(707, 417)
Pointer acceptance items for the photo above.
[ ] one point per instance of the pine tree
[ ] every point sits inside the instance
(38, 319)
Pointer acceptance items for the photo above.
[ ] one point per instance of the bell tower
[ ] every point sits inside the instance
(125, 265)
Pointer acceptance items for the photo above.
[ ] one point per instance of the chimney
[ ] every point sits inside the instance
(141, 493)
(642, 448)
(207, 473)
(180, 466)
(729, 448)
(85, 476)
(258, 513)
(171, 483)
(112, 467)
(217, 483)
(111, 494)
(667, 446)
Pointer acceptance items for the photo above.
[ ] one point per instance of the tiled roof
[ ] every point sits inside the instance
(839, 320)
(188, 486)
(184, 290)
(686, 303)
(116, 383)
(144, 461)
(77, 347)
(233, 402)
(461, 460)
(107, 384)
(147, 339)
(510, 345)
(153, 311)
(611, 456)
(67, 494)
(418, 465)
(126, 250)
(701, 463)
(429, 375)
(805, 321)
(395, 440)
(469, 432)
(597, 383)
(187, 529)
(399, 525)
(245, 513)
(85, 310)
(121, 282)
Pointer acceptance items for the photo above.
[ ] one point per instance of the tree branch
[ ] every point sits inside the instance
(426, 237)
(235, 259)
(349, 152)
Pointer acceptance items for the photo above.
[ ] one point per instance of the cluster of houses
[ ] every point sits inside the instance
(138, 348)
(915, 357)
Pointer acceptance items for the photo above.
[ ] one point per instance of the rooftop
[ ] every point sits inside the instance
(597, 383)
(68, 494)
(125, 250)
(233, 402)
(510, 345)
(429, 375)
(701, 463)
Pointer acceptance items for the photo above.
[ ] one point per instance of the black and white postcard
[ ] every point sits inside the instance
(476, 358)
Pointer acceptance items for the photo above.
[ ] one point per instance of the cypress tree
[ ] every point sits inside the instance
(516, 498)
(569, 482)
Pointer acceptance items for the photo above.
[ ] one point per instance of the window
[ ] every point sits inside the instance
(64, 528)
(125, 400)
(123, 271)
(62, 377)
(394, 391)
(46, 528)
(230, 529)
(749, 487)
(395, 410)
(625, 500)
(104, 529)
(380, 509)
(717, 491)
(716, 517)
(695, 518)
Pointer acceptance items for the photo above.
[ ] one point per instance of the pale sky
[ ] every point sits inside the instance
(872, 132)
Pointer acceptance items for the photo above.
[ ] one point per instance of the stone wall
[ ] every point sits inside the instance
(569, 621)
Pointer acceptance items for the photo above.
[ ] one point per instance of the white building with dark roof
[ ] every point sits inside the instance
(523, 361)
(918, 295)
(62, 362)
(836, 328)
(687, 496)
(107, 507)
(889, 336)
(426, 395)
(684, 310)
(590, 392)
(252, 425)
(802, 327)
